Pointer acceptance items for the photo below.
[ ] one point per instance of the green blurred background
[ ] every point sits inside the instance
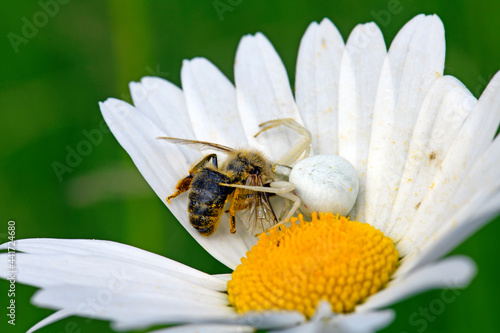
(87, 51)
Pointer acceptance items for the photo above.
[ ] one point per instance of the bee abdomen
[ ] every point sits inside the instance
(206, 200)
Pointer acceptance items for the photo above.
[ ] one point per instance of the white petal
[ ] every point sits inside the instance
(261, 320)
(472, 140)
(352, 323)
(110, 277)
(326, 321)
(443, 112)
(307, 327)
(453, 272)
(317, 84)
(162, 164)
(476, 192)
(322, 313)
(69, 256)
(463, 224)
(56, 316)
(130, 309)
(359, 76)
(414, 61)
(223, 277)
(211, 102)
(106, 280)
(272, 319)
(206, 328)
(164, 104)
(263, 93)
(483, 178)
(364, 322)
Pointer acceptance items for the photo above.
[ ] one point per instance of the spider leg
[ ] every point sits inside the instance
(303, 146)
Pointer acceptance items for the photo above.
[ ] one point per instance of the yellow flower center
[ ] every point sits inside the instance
(331, 258)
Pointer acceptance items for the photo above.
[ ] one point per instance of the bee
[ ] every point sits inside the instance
(244, 179)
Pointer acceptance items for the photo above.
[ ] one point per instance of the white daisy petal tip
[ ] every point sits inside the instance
(271, 319)
(211, 103)
(328, 26)
(323, 310)
(56, 316)
(252, 38)
(207, 328)
(358, 322)
(365, 322)
(327, 21)
(361, 36)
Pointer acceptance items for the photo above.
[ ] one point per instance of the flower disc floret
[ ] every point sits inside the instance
(330, 258)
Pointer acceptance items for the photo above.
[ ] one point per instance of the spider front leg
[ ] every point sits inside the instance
(287, 195)
(301, 147)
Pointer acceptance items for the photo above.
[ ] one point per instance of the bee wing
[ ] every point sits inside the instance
(199, 145)
(258, 215)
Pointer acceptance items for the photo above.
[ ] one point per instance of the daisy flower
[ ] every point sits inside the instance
(423, 147)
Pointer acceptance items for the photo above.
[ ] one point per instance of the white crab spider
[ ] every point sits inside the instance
(322, 183)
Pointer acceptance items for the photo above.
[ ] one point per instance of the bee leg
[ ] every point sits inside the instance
(232, 224)
(301, 147)
(182, 186)
(238, 202)
(185, 183)
(230, 200)
(236, 205)
(201, 164)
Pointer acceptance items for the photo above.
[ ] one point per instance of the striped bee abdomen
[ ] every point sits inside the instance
(206, 200)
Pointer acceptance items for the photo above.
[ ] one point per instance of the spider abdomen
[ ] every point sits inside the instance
(325, 183)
